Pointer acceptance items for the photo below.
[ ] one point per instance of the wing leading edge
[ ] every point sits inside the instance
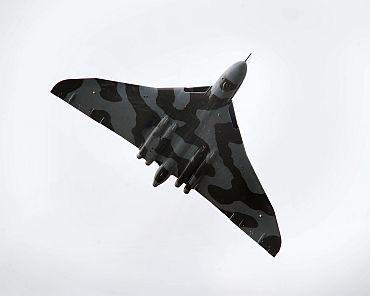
(234, 187)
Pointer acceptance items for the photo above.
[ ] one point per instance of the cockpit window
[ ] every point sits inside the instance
(227, 85)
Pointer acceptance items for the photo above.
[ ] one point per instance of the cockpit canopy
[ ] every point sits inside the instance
(227, 85)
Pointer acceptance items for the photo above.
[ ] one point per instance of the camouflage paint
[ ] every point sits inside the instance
(192, 134)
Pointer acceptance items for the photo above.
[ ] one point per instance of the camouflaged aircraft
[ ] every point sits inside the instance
(192, 133)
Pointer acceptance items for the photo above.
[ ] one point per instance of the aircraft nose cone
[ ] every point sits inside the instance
(236, 72)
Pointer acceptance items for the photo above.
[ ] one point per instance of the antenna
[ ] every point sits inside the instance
(248, 57)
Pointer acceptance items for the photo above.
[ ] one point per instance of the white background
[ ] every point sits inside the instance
(78, 214)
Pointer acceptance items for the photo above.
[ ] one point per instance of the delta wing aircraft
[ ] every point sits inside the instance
(192, 134)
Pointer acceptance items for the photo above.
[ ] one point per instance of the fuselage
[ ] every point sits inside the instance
(218, 95)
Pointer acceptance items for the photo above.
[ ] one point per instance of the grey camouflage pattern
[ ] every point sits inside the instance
(192, 134)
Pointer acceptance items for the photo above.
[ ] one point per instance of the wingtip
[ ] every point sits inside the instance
(64, 87)
(56, 88)
(271, 244)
